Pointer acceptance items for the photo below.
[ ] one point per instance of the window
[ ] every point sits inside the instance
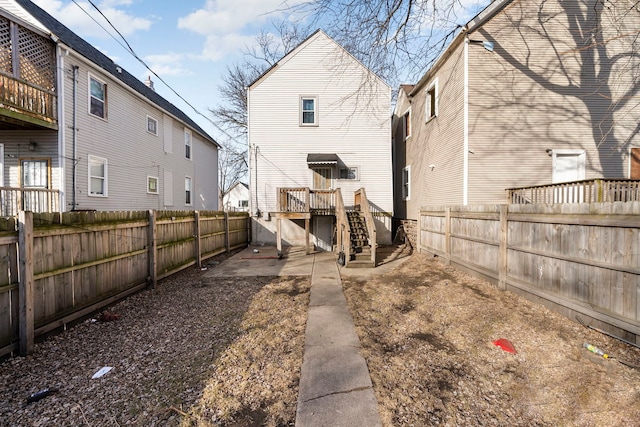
(308, 111)
(243, 203)
(97, 97)
(152, 125)
(187, 144)
(406, 124)
(406, 183)
(187, 191)
(97, 176)
(348, 173)
(431, 100)
(152, 184)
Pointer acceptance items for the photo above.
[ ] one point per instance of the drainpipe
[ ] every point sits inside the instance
(465, 149)
(75, 137)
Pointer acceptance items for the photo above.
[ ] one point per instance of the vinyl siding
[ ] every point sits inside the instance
(353, 122)
(16, 148)
(537, 91)
(131, 151)
(439, 141)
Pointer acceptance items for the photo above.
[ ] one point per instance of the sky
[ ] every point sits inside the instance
(189, 43)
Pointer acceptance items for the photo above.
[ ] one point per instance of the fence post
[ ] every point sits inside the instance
(196, 215)
(25, 293)
(227, 234)
(502, 265)
(153, 250)
(447, 235)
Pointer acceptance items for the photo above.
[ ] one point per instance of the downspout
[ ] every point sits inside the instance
(465, 177)
(61, 130)
(75, 137)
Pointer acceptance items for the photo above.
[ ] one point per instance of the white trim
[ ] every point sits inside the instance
(315, 110)
(428, 114)
(1, 165)
(188, 143)
(581, 154)
(156, 126)
(406, 195)
(149, 191)
(465, 126)
(406, 135)
(89, 96)
(61, 77)
(105, 187)
(190, 180)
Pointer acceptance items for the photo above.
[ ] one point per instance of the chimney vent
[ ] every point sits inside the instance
(149, 83)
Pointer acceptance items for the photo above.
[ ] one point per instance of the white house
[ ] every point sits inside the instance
(237, 198)
(319, 121)
(81, 133)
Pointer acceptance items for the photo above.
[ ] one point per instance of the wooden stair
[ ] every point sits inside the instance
(360, 253)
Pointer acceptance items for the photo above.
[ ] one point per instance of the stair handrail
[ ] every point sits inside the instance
(343, 231)
(360, 196)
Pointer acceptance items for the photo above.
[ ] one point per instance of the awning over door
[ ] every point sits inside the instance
(317, 159)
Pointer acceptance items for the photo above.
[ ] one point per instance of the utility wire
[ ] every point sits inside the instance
(135, 55)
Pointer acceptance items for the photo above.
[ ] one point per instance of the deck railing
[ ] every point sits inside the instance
(303, 199)
(26, 98)
(587, 191)
(38, 200)
(360, 199)
(343, 231)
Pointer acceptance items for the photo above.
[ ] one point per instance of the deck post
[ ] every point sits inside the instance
(306, 235)
(279, 236)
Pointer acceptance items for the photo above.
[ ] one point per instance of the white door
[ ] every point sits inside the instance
(568, 166)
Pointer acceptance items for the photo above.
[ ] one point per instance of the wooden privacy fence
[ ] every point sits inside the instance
(59, 267)
(581, 259)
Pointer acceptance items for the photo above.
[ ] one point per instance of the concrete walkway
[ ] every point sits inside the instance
(335, 386)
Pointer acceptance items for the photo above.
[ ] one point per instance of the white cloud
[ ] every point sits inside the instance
(224, 16)
(74, 17)
(167, 64)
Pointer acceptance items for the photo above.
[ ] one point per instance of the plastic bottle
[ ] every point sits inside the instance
(595, 350)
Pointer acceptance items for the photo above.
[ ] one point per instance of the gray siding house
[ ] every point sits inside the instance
(78, 132)
(319, 122)
(528, 93)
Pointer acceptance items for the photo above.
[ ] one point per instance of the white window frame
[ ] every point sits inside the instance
(406, 183)
(315, 110)
(188, 144)
(155, 127)
(151, 179)
(104, 101)
(105, 189)
(243, 203)
(188, 188)
(431, 112)
(355, 168)
(406, 119)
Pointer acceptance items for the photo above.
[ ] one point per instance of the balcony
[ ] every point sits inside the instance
(13, 200)
(303, 200)
(587, 191)
(26, 105)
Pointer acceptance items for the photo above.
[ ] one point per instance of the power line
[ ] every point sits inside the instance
(130, 49)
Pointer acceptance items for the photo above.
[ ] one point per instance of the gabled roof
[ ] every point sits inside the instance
(79, 45)
(317, 33)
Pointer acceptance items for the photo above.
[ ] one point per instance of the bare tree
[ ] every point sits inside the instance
(231, 114)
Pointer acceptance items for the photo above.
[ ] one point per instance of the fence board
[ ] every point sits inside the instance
(85, 260)
(583, 257)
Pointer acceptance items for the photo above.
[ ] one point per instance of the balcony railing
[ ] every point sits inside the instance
(303, 199)
(588, 191)
(13, 200)
(25, 98)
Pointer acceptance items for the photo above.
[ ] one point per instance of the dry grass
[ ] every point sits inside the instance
(427, 333)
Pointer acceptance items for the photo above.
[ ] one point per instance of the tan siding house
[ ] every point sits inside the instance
(529, 93)
(110, 142)
(319, 100)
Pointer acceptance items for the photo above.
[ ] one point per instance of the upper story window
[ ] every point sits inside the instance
(97, 176)
(187, 144)
(406, 124)
(308, 111)
(431, 100)
(152, 126)
(97, 97)
(152, 184)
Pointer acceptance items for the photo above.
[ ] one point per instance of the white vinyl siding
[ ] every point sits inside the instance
(167, 135)
(357, 131)
(168, 188)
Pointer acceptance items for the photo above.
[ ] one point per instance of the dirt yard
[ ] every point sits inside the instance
(202, 351)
